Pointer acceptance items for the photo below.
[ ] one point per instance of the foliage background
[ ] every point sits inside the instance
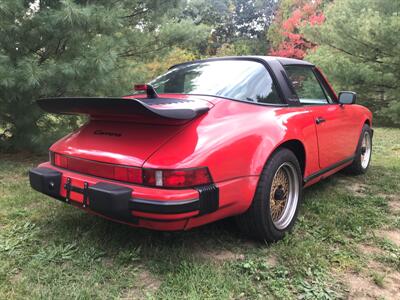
(99, 47)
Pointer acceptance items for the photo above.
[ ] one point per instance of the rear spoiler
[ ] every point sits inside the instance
(161, 107)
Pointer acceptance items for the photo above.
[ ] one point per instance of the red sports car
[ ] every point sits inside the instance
(209, 139)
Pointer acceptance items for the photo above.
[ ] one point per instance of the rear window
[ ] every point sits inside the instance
(236, 79)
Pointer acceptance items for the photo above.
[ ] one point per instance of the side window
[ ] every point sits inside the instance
(306, 85)
(324, 84)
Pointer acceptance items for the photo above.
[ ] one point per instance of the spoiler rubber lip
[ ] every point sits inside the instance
(121, 106)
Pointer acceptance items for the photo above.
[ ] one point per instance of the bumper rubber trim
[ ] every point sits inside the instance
(46, 181)
(164, 207)
(111, 200)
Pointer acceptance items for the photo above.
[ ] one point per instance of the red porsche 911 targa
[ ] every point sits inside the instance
(209, 139)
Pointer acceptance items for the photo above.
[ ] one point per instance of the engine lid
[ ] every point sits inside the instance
(124, 143)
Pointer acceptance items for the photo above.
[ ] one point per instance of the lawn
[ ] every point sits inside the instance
(346, 244)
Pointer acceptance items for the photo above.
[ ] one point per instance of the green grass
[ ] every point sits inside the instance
(51, 250)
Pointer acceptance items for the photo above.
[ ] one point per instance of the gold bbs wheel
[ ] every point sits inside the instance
(284, 195)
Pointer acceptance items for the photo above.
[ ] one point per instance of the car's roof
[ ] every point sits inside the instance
(283, 60)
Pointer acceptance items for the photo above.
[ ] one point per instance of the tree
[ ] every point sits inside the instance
(359, 50)
(157, 66)
(236, 24)
(77, 48)
(291, 17)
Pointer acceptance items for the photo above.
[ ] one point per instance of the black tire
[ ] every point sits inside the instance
(358, 167)
(257, 221)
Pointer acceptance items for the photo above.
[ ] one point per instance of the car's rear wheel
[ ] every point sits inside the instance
(363, 153)
(274, 209)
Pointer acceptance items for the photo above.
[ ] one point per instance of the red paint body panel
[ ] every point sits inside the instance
(136, 143)
(234, 145)
(233, 140)
(338, 136)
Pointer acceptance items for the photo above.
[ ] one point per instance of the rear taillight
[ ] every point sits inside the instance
(181, 178)
(176, 178)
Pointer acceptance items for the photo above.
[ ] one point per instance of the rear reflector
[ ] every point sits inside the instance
(99, 169)
(180, 178)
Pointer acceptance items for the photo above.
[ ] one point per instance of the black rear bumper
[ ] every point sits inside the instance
(115, 201)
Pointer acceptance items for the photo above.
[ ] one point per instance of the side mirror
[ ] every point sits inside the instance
(347, 98)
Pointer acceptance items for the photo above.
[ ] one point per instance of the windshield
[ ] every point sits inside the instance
(236, 79)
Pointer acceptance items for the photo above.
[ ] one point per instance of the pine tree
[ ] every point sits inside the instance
(360, 50)
(76, 48)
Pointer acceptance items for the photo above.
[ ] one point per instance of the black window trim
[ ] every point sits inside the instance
(284, 102)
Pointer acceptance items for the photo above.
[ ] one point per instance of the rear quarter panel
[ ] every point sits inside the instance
(235, 139)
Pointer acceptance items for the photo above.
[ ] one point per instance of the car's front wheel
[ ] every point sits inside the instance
(363, 153)
(274, 209)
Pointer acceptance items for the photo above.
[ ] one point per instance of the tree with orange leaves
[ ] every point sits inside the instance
(285, 33)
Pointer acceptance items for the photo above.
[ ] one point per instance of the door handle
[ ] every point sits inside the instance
(319, 120)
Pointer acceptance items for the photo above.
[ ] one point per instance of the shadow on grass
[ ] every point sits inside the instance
(88, 231)
(69, 224)
(60, 224)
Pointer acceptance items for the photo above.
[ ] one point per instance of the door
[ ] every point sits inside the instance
(335, 124)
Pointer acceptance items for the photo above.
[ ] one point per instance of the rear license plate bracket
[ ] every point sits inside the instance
(70, 188)
(105, 198)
